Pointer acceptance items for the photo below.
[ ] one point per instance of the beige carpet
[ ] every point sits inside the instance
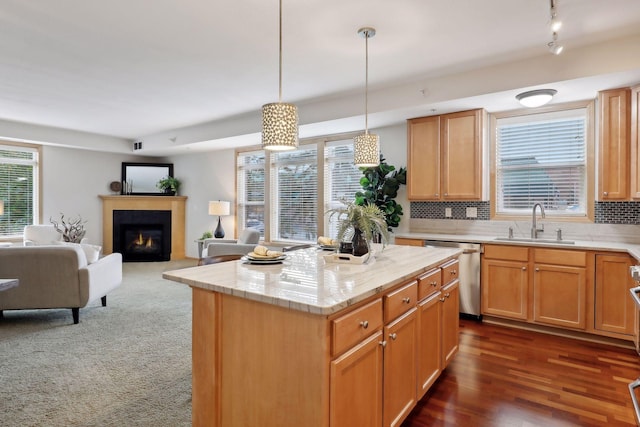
(127, 364)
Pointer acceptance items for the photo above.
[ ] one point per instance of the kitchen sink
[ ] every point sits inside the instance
(524, 239)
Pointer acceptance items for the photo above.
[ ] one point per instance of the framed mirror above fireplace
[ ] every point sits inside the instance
(143, 177)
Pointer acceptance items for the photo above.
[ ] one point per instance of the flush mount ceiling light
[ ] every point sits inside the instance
(366, 146)
(279, 119)
(555, 47)
(536, 98)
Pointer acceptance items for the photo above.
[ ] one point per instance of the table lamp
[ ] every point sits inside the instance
(219, 208)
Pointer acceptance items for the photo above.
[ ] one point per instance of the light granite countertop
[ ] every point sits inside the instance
(306, 282)
(591, 245)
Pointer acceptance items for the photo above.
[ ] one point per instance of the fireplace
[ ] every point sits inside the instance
(142, 235)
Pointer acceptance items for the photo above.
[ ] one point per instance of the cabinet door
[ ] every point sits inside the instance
(462, 155)
(450, 321)
(429, 342)
(559, 296)
(615, 310)
(505, 287)
(614, 144)
(356, 385)
(399, 368)
(423, 166)
(635, 142)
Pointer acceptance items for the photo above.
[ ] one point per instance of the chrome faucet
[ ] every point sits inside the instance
(534, 227)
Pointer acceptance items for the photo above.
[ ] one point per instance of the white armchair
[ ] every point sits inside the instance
(39, 234)
(245, 243)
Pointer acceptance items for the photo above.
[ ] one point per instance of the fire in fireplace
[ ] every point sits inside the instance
(142, 235)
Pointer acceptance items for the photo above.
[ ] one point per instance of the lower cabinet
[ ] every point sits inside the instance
(356, 385)
(450, 321)
(615, 312)
(396, 347)
(572, 289)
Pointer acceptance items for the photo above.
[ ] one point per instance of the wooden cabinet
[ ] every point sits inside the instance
(614, 140)
(560, 287)
(409, 242)
(445, 157)
(400, 373)
(615, 312)
(356, 385)
(429, 342)
(450, 321)
(635, 142)
(505, 282)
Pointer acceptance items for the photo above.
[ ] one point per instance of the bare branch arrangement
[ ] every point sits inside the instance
(72, 229)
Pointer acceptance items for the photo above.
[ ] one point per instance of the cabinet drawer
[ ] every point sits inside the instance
(507, 253)
(409, 242)
(560, 257)
(450, 272)
(355, 326)
(400, 301)
(429, 283)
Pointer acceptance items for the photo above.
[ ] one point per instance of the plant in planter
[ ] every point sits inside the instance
(362, 223)
(380, 186)
(206, 235)
(72, 230)
(169, 185)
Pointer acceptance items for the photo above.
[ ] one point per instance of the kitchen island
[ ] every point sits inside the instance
(309, 343)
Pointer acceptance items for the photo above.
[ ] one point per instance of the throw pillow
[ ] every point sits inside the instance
(91, 251)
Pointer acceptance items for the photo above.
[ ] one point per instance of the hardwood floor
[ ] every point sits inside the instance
(508, 377)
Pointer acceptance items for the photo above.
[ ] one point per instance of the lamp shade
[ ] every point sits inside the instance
(279, 126)
(366, 150)
(219, 208)
(1, 207)
(536, 98)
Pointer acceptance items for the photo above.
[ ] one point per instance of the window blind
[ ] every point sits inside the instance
(250, 182)
(294, 194)
(341, 180)
(18, 188)
(541, 158)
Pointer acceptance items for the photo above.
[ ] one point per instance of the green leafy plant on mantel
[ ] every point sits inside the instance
(380, 187)
(169, 184)
(367, 218)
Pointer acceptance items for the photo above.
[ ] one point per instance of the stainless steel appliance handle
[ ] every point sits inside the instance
(635, 296)
(632, 386)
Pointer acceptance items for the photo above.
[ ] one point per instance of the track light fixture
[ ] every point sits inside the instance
(555, 47)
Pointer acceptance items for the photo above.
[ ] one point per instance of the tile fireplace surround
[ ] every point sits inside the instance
(175, 204)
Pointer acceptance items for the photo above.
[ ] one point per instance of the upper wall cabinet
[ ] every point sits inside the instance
(635, 142)
(445, 156)
(613, 170)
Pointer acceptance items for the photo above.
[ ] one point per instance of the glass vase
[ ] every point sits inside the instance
(360, 245)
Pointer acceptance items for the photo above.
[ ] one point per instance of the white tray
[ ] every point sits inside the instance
(347, 258)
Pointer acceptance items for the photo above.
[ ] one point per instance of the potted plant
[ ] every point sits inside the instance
(380, 187)
(362, 223)
(169, 185)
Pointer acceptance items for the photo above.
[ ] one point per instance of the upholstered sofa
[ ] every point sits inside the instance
(56, 276)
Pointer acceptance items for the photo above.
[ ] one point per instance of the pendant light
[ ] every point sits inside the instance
(366, 146)
(279, 119)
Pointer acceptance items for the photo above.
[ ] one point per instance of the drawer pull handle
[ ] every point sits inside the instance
(434, 284)
(406, 300)
(382, 343)
(454, 272)
(447, 295)
(364, 324)
(393, 336)
(441, 299)
(524, 268)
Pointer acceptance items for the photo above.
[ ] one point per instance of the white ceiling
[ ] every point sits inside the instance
(193, 74)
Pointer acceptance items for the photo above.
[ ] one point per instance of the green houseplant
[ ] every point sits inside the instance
(362, 223)
(380, 187)
(169, 185)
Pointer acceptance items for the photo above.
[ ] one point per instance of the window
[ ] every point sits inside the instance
(250, 190)
(18, 188)
(542, 158)
(301, 185)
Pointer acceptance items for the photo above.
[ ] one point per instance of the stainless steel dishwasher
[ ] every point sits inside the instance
(469, 275)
